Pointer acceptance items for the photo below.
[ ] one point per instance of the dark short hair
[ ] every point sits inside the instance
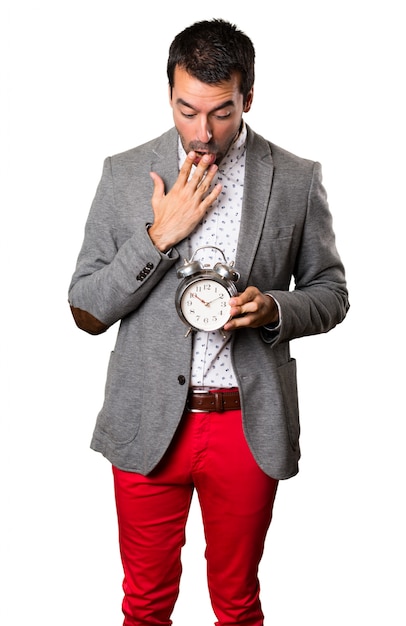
(211, 51)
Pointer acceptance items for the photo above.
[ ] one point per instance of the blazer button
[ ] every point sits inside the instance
(181, 380)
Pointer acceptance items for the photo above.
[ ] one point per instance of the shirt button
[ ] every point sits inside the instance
(181, 380)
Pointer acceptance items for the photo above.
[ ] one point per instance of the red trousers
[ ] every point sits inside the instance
(209, 453)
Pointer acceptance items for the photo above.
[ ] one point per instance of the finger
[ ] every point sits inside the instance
(242, 298)
(204, 173)
(206, 162)
(245, 303)
(212, 196)
(185, 170)
(204, 185)
(237, 322)
(159, 186)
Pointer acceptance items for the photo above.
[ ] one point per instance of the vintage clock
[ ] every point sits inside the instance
(203, 293)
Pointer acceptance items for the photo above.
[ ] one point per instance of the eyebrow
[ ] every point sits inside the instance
(223, 105)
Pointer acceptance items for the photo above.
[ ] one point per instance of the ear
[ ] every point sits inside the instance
(170, 94)
(249, 100)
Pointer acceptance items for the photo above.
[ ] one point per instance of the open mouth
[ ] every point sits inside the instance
(200, 154)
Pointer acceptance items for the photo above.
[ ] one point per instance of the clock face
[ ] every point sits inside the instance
(204, 304)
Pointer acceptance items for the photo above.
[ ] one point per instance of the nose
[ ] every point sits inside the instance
(204, 131)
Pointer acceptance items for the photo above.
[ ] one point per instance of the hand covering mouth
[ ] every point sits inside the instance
(201, 153)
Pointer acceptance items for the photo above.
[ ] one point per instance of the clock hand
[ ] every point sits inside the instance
(196, 296)
(214, 299)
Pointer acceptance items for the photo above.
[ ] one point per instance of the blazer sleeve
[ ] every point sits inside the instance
(319, 300)
(118, 265)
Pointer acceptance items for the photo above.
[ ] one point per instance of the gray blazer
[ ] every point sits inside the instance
(286, 230)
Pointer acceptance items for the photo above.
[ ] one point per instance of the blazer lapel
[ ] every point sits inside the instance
(164, 158)
(257, 190)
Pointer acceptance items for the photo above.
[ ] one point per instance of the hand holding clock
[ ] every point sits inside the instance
(252, 308)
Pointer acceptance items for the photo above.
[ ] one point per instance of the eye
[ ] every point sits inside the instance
(222, 117)
(188, 116)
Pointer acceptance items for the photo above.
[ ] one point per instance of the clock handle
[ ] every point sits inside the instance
(212, 248)
(226, 271)
(189, 268)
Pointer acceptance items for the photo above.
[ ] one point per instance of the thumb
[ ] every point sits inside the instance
(159, 187)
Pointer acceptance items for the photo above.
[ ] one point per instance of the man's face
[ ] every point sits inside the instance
(207, 117)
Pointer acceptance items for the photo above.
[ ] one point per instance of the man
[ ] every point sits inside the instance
(213, 411)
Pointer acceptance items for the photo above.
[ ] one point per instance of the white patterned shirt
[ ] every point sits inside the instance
(220, 227)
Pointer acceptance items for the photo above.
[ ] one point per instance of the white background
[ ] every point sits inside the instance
(84, 79)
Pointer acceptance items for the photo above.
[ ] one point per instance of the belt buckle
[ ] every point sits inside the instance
(197, 390)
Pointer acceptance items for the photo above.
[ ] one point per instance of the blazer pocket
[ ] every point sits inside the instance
(288, 382)
(274, 262)
(119, 417)
(280, 232)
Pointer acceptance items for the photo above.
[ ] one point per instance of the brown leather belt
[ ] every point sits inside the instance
(206, 400)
